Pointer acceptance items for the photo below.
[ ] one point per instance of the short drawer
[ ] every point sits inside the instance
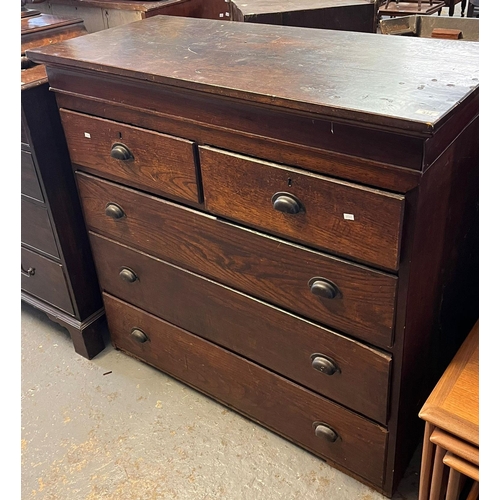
(36, 229)
(350, 220)
(29, 180)
(145, 159)
(345, 296)
(331, 364)
(45, 279)
(344, 438)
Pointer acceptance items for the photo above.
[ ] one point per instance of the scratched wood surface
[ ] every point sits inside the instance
(330, 68)
(249, 7)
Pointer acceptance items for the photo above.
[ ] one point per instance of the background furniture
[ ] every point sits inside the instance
(57, 270)
(451, 415)
(295, 247)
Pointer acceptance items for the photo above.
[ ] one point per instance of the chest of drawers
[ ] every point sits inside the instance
(284, 219)
(57, 270)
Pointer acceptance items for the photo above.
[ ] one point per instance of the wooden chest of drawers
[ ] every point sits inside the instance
(288, 227)
(57, 270)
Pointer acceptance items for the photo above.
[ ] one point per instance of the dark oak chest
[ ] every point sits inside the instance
(284, 219)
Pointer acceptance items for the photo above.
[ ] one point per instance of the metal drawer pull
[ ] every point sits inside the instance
(114, 211)
(139, 336)
(128, 275)
(121, 152)
(30, 272)
(323, 288)
(323, 364)
(325, 432)
(286, 203)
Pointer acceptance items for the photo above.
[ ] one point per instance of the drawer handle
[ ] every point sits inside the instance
(128, 275)
(323, 364)
(121, 152)
(114, 211)
(30, 272)
(325, 432)
(286, 203)
(323, 288)
(139, 336)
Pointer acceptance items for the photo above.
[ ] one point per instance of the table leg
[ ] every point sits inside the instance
(474, 492)
(464, 5)
(437, 474)
(426, 463)
(453, 485)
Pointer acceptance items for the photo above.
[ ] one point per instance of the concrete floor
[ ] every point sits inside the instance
(137, 434)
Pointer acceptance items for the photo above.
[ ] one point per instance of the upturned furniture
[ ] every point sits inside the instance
(57, 270)
(451, 415)
(282, 220)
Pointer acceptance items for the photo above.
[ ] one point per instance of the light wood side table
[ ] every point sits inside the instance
(451, 415)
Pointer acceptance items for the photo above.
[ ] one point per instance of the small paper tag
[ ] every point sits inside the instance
(349, 216)
(87, 135)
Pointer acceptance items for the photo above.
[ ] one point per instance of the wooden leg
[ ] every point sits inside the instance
(437, 474)
(464, 5)
(474, 492)
(453, 485)
(451, 8)
(426, 463)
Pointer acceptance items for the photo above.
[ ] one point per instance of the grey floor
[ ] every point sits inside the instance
(137, 434)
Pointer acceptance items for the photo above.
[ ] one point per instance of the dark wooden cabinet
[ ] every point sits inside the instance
(284, 219)
(57, 270)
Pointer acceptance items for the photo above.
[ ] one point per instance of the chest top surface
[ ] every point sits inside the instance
(397, 82)
(249, 7)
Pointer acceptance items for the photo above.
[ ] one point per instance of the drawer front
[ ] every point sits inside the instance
(362, 302)
(347, 219)
(157, 162)
(298, 349)
(45, 279)
(29, 180)
(36, 229)
(24, 133)
(271, 400)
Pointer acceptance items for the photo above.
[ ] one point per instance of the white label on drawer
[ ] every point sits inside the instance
(221, 14)
(349, 216)
(87, 135)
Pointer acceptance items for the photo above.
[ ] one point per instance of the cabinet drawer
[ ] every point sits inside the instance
(269, 336)
(157, 162)
(348, 219)
(36, 229)
(45, 279)
(29, 180)
(271, 400)
(271, 269)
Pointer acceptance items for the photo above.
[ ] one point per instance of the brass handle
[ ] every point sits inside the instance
(114, 211)
(139, 336)
(325, 432)
(286, 203)
(121, 152)
(30, 272)
(323, 288)
(128, 275)
(323, 364)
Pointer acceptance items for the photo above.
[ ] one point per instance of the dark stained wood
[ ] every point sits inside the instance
(281, 341)
(347, 219)
(36, 229)
(138, 5)
(46, 282)
(163, 164)
(416, 98)
(259, 394)
(267, 268)
(29, 181)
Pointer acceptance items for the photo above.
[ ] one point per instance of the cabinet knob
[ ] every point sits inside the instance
(286, 203)
(128, 275)
(114, 211)
(323, 288)
(28, 273)
(139, 336)
(323, 364)
(121, 152)
(325, 432)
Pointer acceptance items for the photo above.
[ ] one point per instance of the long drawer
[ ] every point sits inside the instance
(36, 228)
(342, 295)
(30, 186)
(45, 279)
(142, 158)
(348, 219)
(331, 364)
(312, 421)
